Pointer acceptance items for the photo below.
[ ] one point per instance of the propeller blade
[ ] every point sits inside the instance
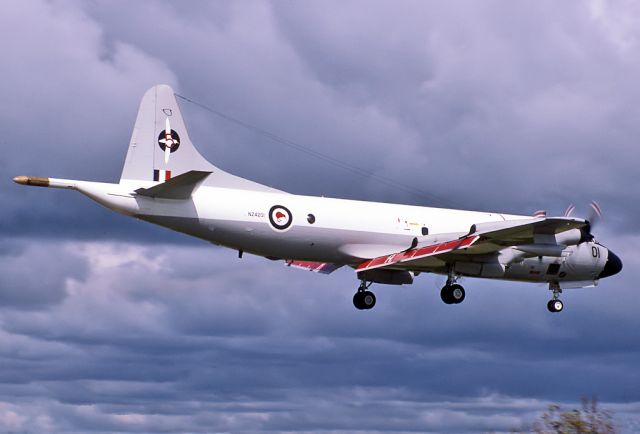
(569, 210)
(594, 216)
(596, 213)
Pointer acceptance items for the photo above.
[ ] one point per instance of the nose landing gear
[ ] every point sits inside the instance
(364, 299)
(555, 304)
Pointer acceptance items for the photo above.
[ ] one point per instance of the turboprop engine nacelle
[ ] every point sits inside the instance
(555, 250)
(558, 249)
(570, 238)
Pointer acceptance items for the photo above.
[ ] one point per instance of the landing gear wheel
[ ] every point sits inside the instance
(368, 299)
(457, 294)
(555, 305)
(364, 299)
(445, 294)
(452, 294)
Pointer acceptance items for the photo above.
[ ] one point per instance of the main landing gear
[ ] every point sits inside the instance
(452, 293)
(555, 304)
(364, 299)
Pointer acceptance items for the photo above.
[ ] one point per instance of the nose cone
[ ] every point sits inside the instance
(613, 266)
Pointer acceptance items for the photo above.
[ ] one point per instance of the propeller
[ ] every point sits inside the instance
(540, 213)
(569, 210)
(595, 214)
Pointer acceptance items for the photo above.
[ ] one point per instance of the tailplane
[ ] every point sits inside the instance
(180, 187)
(160, 148)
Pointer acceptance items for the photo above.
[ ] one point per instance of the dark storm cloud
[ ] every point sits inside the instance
(491, 106)
(31, 279)
(505, 97)
(282, 349)
(465, 100)
(457, 102)
(64, 91)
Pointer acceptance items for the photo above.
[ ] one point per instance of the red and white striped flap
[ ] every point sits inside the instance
(316, 267)
(417, 253)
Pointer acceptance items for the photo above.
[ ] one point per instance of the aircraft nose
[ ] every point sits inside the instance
(613, 266)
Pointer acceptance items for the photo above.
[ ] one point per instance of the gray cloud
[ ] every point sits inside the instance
(112, 325)
(281, 349)
(495, 101)
(32, 277)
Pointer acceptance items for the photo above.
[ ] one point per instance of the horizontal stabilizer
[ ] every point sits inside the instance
(180, 187)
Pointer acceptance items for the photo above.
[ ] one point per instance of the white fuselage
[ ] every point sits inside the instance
(331, 230)
(344, 231)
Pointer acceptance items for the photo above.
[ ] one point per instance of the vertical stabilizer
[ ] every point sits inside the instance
(160, 148)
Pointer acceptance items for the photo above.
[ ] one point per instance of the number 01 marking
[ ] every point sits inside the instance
(595, 251)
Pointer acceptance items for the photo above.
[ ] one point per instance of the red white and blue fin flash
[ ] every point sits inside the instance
(161, 175)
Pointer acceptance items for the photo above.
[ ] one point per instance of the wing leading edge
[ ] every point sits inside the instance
(482, 239)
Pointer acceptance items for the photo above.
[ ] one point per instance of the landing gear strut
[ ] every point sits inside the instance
(452, 293)
(555, 304)
(364, 299)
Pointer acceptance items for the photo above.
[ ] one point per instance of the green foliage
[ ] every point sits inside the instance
(589, 420)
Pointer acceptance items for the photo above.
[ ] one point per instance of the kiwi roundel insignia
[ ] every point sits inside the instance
(169, 141)
(280, 217)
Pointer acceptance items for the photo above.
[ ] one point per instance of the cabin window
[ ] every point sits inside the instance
(311, 219)
(425, 230)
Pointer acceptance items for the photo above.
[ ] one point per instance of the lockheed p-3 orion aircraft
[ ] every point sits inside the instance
(167, 182)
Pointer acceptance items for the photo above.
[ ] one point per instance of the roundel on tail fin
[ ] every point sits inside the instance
(159, 124)
(168, 140)
(171, 141)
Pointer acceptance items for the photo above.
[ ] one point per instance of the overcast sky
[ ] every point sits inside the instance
(109, 324)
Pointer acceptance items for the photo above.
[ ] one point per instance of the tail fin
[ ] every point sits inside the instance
(160, 147)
